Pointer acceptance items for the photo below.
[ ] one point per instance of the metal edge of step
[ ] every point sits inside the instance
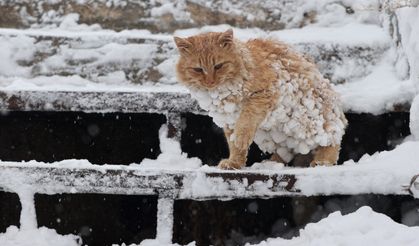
(176, 184)
(100, 102)
(115, 101)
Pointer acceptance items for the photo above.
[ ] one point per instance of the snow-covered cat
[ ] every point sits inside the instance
(262, 91)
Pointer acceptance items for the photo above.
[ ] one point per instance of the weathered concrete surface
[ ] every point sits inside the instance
(163, 16)
(127, 102)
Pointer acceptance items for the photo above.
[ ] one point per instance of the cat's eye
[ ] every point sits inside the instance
(198, 69)
(218, 66)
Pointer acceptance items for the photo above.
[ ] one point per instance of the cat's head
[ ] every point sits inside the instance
(208, 60)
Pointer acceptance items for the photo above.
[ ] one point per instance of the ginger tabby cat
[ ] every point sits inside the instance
(262, 91)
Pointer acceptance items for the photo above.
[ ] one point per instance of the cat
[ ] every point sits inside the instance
(262, 91)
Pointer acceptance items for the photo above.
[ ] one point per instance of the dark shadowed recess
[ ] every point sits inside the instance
(243, 221)
(118, 138)
(366, 133)
(100, 220)
(101, 138)
(9, 210)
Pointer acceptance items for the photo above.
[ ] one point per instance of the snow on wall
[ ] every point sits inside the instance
(14, 49)
(394, 81)
(408, 22)
(171, 156)
(414, 118)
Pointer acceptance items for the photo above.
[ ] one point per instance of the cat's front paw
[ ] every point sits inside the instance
(230, 164)
(242, 139)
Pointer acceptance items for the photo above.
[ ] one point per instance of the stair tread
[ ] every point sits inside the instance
(82, 177)
(174, 98)
(142, 57)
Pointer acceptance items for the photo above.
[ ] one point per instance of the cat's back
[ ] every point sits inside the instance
(275, 51)
(271, 49)
(266, 50)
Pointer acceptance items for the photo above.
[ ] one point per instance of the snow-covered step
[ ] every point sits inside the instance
(77, 176)
(389, 172)
(172, 101)
(174, 175)
(163, 100)
(138, 56)
(167, 16)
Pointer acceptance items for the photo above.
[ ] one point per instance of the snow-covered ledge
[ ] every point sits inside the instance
(174, 99)
(79, 176)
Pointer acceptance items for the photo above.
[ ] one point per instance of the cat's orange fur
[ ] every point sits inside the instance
(250, 64)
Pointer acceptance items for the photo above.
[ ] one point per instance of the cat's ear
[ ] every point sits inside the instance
(183, 45)
(226, 38)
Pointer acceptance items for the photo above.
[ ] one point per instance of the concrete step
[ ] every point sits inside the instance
(139, 57)
(167, 16)
(79, 176)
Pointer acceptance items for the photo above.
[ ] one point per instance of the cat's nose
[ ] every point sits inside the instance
(211, 82)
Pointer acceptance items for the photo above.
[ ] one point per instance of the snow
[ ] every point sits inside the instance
(77, 83)
(363, 227)
(292, 13)
(155, 242)
(29, 233)
(14, 49)
(414, 118)
(171, 156)
(408, 19)
(384, 172)
(164, 220)
(175, 9)
(107, 48)
(36, 237)
(378, 92)
(394, 80)
(70, 22)
(28, 214)
(349, 34)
